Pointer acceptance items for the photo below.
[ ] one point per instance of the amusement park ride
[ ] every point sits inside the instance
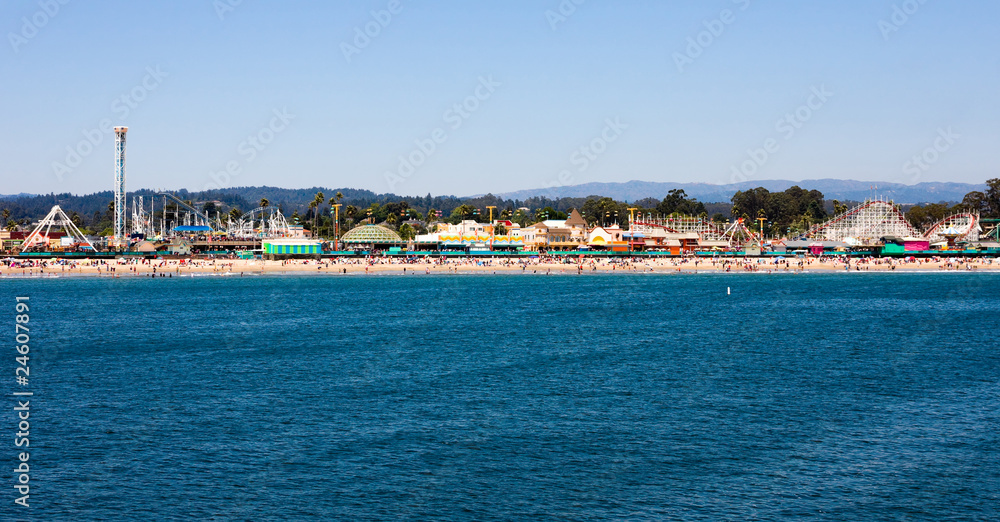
(865, 224)
(875, 219)
(56, 218)
(261, 222)
(734, 234)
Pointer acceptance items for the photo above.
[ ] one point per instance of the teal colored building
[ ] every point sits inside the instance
(292, 247)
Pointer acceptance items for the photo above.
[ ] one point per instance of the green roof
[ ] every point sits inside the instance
(371, 234)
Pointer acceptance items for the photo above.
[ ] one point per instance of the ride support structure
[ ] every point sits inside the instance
(261, 222)
(735, 233)
(120, 238)
(877, 218)
(55, 218)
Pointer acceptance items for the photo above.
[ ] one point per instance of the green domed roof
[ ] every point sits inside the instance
(371, 234)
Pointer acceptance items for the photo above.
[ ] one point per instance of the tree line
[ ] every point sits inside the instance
(986, 203)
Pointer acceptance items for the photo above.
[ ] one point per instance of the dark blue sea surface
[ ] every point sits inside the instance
(494, 397)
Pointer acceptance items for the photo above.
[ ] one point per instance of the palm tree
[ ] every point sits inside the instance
(351, 213)
(462, 211)
(312, 207)
(5, 213)
(234, 215)
(264, 203)
(316, 202)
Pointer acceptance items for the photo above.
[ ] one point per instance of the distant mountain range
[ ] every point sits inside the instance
(842, 189)
(15, 196)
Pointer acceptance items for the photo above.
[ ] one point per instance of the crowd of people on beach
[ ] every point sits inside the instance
(414, 264)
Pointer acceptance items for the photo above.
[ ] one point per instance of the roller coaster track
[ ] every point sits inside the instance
(876, 219)
(872, 219)
(657, 225)
(964, 226)
(736, 234)
(208, 221)
(991, 229)
(272, 224)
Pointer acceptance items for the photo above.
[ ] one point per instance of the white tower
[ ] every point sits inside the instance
(120, 238)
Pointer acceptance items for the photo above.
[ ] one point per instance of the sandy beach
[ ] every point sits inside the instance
(429, 266)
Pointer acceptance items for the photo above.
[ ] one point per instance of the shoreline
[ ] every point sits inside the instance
(53, 276)
(381, 266)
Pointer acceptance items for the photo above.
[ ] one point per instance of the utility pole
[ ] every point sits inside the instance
(336, 226)
(492, 226)
(762, 220)
(631, 230)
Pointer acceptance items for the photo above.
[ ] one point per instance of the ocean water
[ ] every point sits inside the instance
(498, 397)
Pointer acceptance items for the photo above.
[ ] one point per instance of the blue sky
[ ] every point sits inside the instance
(287, 94)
